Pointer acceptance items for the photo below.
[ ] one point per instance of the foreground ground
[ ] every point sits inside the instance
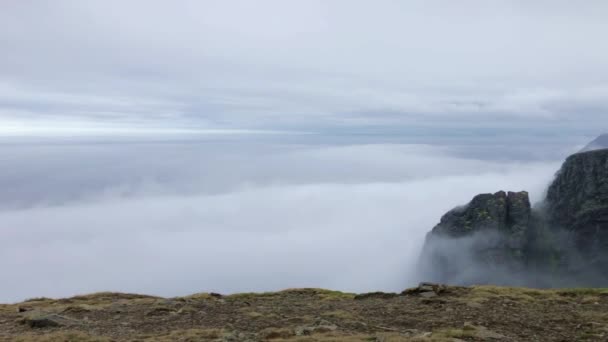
(427, 313)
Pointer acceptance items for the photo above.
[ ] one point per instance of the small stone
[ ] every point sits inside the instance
(426, 283)
(44, 320)
(158, 311)
(594, 325)
(428, 294)
(482, 332)
(410, 332)
(426, 288)
(475, 305)
(320, 326)
(469, 326)
(424, 335)
(379, 295)
(325, 328)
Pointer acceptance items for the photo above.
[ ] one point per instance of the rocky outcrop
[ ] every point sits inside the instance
(505, 213)
(472, 243)
(38, 319)
(577, 202)
(499, 239)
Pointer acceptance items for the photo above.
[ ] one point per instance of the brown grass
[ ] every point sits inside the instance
(63, 336)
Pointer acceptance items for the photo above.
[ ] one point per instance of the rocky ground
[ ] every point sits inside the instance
(426, 313)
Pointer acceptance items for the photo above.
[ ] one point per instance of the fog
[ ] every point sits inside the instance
(235, 214)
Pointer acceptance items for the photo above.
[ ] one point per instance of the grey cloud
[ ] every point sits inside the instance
(174, 219)
(233, 65)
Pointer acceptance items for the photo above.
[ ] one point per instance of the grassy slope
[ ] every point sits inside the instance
(470, 314)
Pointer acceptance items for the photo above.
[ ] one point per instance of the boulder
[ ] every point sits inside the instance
(377, 295)
(320, 326)
(45, 320)
(426, 290)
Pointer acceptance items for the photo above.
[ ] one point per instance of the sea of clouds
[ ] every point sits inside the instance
(229, 215)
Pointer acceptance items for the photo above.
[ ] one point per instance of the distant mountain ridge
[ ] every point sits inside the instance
(598, 143)
(501, 239)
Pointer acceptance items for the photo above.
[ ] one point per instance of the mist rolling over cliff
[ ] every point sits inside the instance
(230, 214)
(502, 239)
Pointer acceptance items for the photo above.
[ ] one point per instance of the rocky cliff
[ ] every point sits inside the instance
(577, 203)
(480, 241)
(500, 239)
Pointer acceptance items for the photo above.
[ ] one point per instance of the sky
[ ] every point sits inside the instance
(170, 148)
(115, 67)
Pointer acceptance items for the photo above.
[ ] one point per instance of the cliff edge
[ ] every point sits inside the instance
(500, 239)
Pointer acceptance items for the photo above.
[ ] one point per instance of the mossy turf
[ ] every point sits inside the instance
(479, 313)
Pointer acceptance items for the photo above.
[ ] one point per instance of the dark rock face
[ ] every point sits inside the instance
(499, 239)
(45, 320)
(577, 201)
(472, 243)
(506, 213)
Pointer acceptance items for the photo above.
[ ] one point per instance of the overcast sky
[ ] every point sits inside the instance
(113, 66)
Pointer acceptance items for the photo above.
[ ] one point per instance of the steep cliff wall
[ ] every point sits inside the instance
(479, 242)
(577, 201)
(499, 239)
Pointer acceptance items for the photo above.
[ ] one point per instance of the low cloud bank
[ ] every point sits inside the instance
(349, 218)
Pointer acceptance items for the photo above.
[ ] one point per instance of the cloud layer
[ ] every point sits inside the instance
(343, 217)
